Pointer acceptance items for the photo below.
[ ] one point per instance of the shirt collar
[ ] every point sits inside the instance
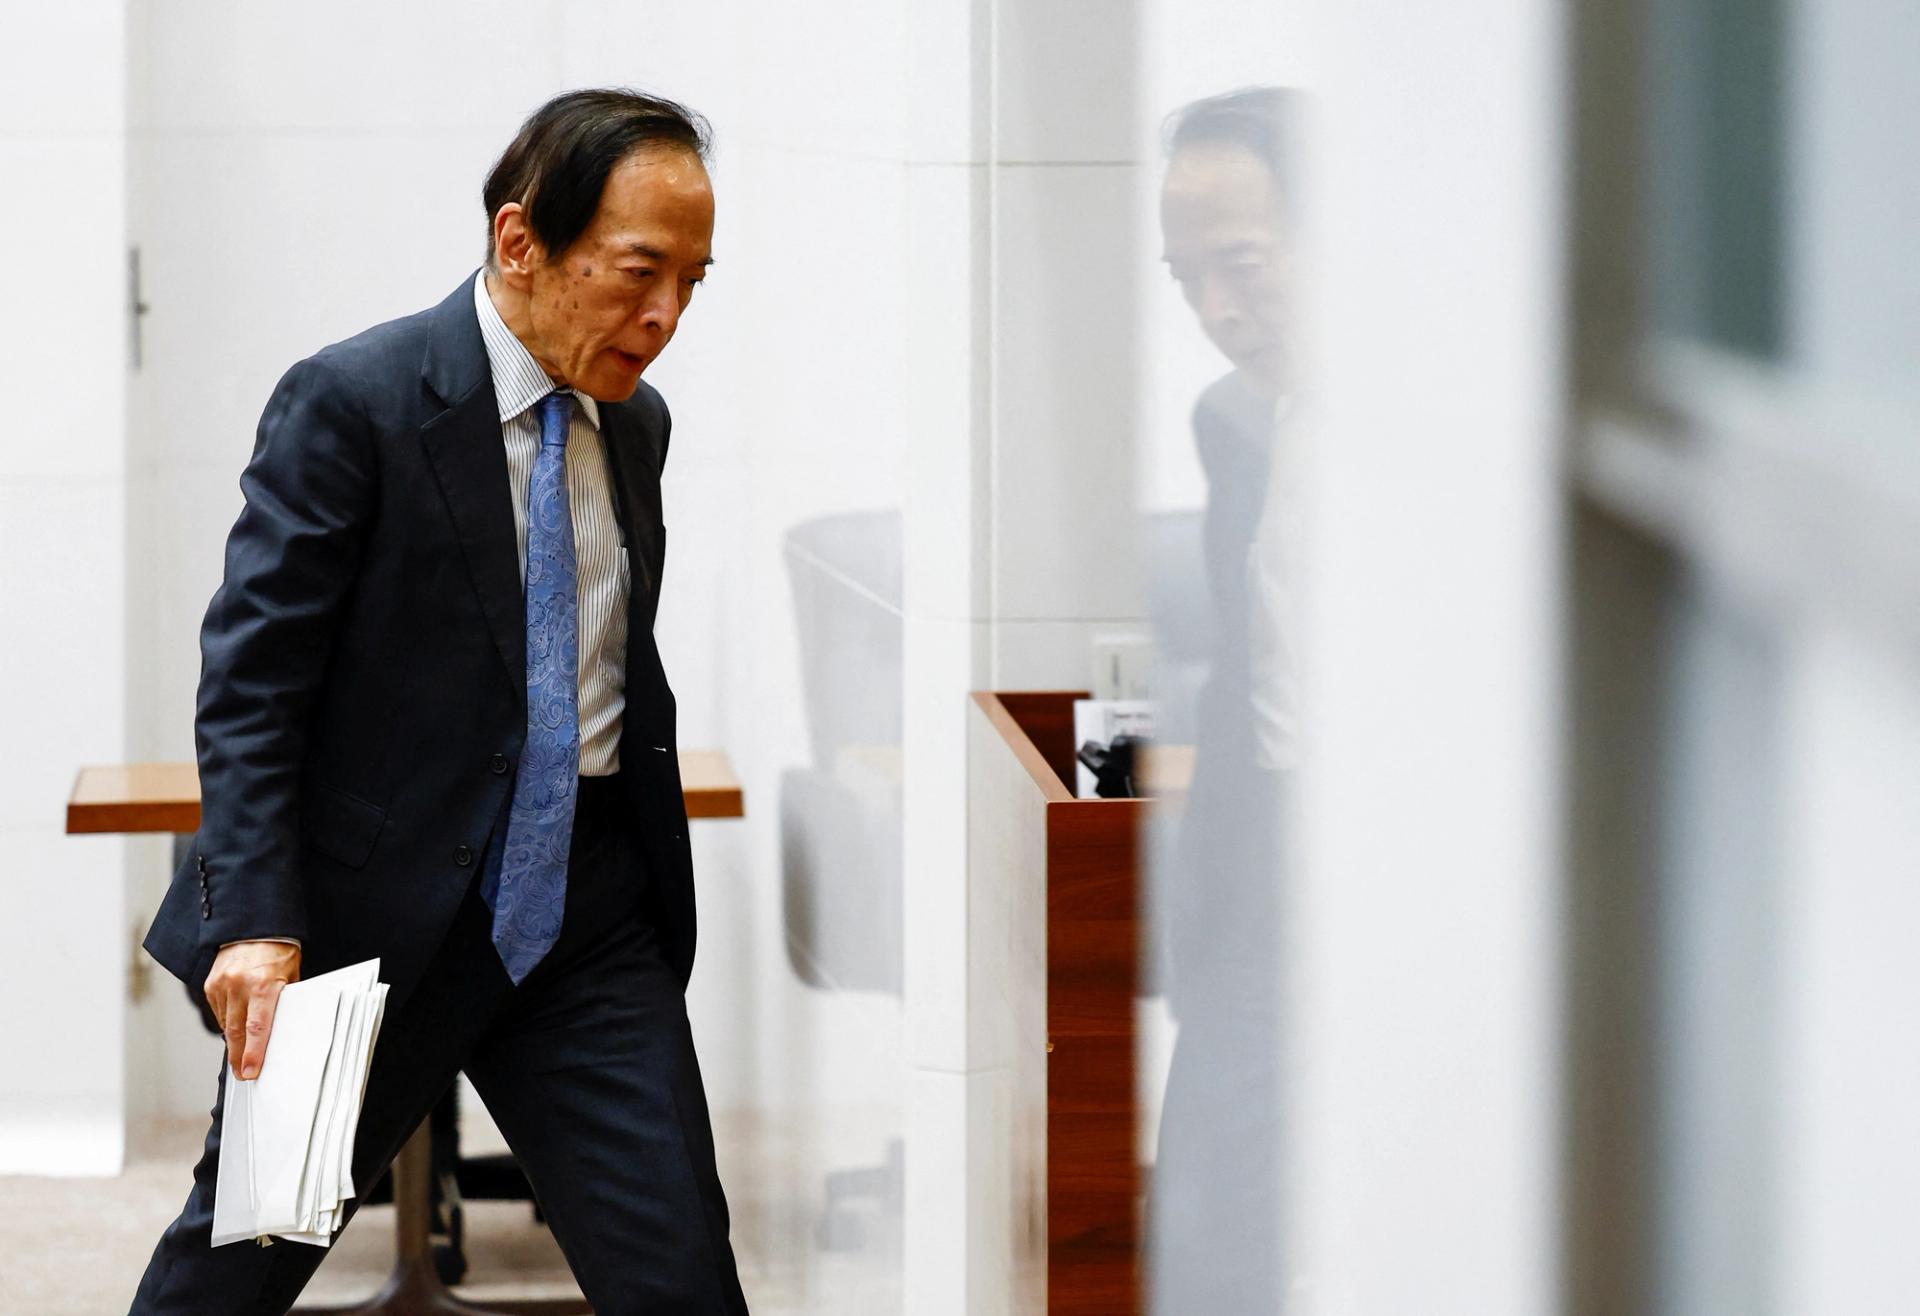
(518, 380)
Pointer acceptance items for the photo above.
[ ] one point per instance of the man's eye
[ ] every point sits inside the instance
(641, 273)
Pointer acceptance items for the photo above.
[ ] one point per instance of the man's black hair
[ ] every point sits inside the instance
(1259, 119)
(557, 166)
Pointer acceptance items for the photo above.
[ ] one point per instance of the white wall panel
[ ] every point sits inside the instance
(1419, 957)
(63, 946)
(1068, 263)
(227, 68)
(1066, 86)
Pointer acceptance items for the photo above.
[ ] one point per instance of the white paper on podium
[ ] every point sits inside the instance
(1101, 720)
(286, 1137)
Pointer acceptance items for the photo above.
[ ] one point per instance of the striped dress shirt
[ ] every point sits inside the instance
(519, 383)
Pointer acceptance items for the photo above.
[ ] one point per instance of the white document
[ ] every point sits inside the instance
(1100, 720)
(286, 1137)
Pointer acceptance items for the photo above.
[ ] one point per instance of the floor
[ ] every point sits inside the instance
(76, 1247)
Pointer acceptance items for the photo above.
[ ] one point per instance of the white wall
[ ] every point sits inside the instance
(63, 489)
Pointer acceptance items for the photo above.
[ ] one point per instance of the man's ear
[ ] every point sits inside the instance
(515, 249)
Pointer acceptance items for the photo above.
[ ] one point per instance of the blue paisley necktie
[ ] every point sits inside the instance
(530, 892)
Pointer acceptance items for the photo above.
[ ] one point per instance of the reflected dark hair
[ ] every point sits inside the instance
(557, 166)
(1259, 119)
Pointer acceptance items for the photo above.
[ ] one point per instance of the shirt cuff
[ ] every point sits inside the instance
(285, 941)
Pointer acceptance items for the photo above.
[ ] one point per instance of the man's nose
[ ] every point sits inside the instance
(660, 313)
(1215, 304)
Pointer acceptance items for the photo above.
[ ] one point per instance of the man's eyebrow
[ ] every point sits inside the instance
(654, 253)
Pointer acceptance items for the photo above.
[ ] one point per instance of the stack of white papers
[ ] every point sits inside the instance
(286, 1138)
(1101, 720)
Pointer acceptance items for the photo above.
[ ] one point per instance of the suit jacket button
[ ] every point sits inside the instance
(499, 765)
(462, 855)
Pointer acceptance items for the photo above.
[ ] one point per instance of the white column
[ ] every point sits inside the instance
(1023, 259)
(945, 585)
(63, 363)
(1419, 963)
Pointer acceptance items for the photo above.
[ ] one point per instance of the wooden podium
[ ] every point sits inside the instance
(1059, 878)
(165, 797)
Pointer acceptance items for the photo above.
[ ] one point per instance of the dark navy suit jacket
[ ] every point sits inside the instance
(362, 701)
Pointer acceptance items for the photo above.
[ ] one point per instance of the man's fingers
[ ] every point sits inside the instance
(259, 1025)
(243, 990)
(233, 1023)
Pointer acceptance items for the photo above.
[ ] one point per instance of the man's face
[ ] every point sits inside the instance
(599, 315)
(1220, 221)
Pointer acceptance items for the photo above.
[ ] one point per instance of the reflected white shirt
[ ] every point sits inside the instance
(1274, 581)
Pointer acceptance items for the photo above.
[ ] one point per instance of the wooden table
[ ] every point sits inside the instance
(165, 797)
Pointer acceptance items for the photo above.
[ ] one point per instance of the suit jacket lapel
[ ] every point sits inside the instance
(626, 459)
(469, 460)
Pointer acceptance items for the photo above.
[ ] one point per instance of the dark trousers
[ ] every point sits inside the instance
(1214, 1209)
(587, 1067)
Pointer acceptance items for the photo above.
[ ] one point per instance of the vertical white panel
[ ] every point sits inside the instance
(1847, 1154)
(63, 584)
(1420, 966)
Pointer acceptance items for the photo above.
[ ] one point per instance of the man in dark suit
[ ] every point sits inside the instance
(433, 726)
(1227, 222)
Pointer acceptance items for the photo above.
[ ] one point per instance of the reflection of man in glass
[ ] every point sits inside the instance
(1225, 221)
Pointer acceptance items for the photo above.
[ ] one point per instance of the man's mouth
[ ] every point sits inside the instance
(630, 361)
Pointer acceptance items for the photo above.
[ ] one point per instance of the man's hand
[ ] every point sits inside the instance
(243, 989)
